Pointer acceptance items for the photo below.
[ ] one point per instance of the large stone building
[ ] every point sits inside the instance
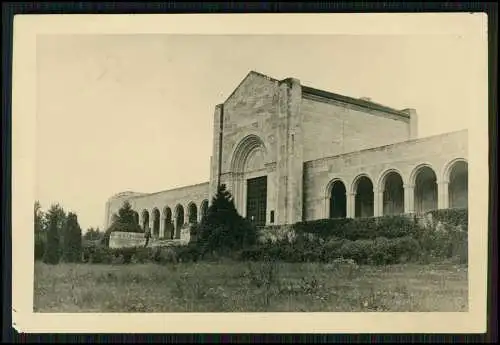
(290, 153)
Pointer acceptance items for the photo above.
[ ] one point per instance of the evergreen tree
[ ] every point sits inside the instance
(223, 229)
(93, 234)
(72, 239)
(52, 246)
(39, 231)
(38, 217)
(124, 221)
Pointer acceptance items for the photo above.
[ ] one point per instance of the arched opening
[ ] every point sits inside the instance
(168, 225)
(179, 220)
(204, 208)
(250, 179)
(458, 187)
(363, 204)
(426, 193)
(156, 223)
(145, 220)
(136, 217)
(338, 200)
(192, 213)
(393, 194)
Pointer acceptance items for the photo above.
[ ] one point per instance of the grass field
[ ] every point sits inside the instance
(245, 287)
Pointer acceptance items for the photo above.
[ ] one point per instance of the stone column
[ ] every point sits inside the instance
(351, 207)
(162, 226)
(141, 219)
(378, 204)
(409, 198)
(152, 224)
(443, 197)
(176, 231)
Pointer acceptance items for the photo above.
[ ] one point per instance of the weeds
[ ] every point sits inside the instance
(257, 286)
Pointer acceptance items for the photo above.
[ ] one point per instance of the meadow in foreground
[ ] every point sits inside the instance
(250, 287)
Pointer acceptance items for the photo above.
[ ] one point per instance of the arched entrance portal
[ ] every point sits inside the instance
(458, 187)
(250, 179)
(338, 200)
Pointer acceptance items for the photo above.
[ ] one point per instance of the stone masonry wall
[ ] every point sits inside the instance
(171, 198)
(333, 128)
(435, 151)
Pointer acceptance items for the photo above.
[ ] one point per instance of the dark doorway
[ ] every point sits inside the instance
(257, 200)
(338, 203)
(364, 198)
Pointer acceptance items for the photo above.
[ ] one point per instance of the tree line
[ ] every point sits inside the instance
(58, 235)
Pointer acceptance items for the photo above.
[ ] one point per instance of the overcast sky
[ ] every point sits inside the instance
(135, 112)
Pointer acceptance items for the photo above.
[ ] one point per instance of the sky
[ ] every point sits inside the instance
(135, 112)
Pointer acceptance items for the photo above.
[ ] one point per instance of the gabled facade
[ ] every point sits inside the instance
(289, 152)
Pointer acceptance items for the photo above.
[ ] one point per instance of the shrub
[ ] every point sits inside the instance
(457, 217)
(188, 253)
(392, 251)
(98, 254)
(252, 253)
(443, 241)
(165, 255)
(141, 255)
(331, 249)
(360, 251)
(360, 228)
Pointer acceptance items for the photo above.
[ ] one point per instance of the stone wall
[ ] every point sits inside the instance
(172, 200)
(333, 128)
(437, 152)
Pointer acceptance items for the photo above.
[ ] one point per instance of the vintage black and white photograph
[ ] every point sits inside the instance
(256, 173)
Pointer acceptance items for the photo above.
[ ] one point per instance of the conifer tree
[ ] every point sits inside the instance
(39, 231)
(52, 246)
(124, 220)
(223, 229)
(72, 239)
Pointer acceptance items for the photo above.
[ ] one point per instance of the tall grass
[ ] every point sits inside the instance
(227, 286)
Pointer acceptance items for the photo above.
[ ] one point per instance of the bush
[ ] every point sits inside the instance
(444, 241)
(380, 251)
(188, 253)
(456, 217)
(331, 249)
(97, 254)
(360, 228)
